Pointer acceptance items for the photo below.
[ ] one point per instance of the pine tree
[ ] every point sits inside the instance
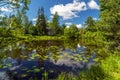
(110, 18)
(109, 23)
(41, 22)
(62, 28)
(55, 24)
(90, 24)
(71, 32)
(38, 23)
(26, 24)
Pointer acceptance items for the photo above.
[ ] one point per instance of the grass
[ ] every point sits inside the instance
(111, 66)
(45, 37)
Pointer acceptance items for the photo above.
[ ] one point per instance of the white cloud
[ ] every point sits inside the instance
(95, 19)
(51, 16)
(68, 23)
(5, 9)
(35, 19)
(67, 26)
(69, 10)
(79, 25)
(93, 5)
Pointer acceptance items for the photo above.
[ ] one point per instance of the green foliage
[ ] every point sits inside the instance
(15, 3)
(71, 32)
(109, 19)
(62, 29)
(41, 22)
(90, 24)
(67, 76)
(32, 30)
(111, 66)
(15, 22)
(55, 24)
(107, 29)
(5, 21)
(45, 76)
(69, 43)
(94, 73)
(91, 31)
(27, 24)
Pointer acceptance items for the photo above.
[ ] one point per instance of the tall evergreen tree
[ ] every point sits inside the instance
(71, 32)
(110, 19)
(41, 22)
(31, 28)
(109, 24)
(62, 28)
(26, 24)
(55, 24)
(90, 24)
(38, 23)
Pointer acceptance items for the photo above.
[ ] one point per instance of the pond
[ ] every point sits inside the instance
(26, 60)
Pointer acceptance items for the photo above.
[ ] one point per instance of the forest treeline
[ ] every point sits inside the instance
(20, 24)
(107, 26)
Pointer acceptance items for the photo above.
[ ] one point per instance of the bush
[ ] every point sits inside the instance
(111, 66)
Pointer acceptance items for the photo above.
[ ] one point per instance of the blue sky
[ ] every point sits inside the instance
(70, 11)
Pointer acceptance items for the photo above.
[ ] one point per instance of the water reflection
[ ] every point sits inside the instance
(24, 59)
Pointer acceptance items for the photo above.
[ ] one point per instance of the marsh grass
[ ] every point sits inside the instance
(30, 37)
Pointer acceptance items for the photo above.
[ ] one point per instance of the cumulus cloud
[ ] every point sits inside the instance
(69, 10)
(68, 23)
(34, 19)
(79, 25)
(93, 5)
(95, 19)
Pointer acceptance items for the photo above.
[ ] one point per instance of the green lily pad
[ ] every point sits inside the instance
(23, 75)
(36, 70)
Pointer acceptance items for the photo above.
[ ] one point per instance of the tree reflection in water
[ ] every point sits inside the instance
(54, 57)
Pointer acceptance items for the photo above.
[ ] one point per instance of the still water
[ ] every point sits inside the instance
(28, 60)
